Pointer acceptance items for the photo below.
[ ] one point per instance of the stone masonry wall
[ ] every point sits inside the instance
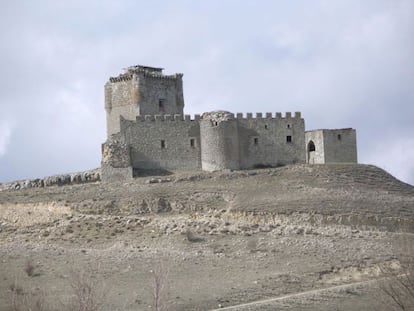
(163, 141)
(264, 139)
(169, 89)
(340, 146)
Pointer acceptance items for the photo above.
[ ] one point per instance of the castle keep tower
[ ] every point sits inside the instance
(142, 90)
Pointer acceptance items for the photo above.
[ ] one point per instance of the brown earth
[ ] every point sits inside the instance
(222, 239)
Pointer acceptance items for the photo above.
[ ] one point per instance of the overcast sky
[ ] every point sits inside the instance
(345, 63)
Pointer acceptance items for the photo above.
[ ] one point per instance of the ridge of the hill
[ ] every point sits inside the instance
(348, 194)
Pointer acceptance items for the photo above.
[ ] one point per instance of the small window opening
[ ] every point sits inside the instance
(192, 142)
(339, 137)
(288, 139)
(161, 105)
(256, 141)
(289, 126)
(162, 144)
(215, 123)
(265, 126)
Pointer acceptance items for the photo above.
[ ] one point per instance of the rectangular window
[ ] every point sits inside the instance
(256, 141)
(288, 139)
(192, 143)
(161, 105)
(162, 144)
(339, 137)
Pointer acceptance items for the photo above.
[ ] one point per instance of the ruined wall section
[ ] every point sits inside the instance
(340, 146)
(116, 160)
(271, 140)
(316, 156)
(163, 141)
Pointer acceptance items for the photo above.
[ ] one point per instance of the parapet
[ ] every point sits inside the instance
(146, 71)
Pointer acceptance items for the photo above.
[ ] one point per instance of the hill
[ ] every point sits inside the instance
(227, 237)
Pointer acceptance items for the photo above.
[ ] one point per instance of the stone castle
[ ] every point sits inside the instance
(147, 129)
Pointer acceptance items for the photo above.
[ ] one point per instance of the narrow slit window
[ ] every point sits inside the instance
(288, 139)
(265, 126)
(162, 144)
(256, 141)
(339, 137)
(192, 143)
(289, 126)
(161, 105)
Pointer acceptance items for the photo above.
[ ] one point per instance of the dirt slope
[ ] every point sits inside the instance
(226, 238)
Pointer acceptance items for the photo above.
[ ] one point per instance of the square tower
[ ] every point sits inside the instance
(331, 146)
(142, 90)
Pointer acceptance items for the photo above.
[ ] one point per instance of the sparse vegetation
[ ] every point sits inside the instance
(159, 274)
(399, 286)
(27, 300)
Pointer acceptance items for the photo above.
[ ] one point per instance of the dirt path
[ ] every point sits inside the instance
(296, 295)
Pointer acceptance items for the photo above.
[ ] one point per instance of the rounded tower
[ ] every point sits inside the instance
(219, 141)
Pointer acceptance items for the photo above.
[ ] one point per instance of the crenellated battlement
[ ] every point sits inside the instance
(230, 116)
(268, 115)
(167, 117)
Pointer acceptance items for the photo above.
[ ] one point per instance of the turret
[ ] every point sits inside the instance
(219, 141)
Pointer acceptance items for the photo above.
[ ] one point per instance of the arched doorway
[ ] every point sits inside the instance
(311, 152)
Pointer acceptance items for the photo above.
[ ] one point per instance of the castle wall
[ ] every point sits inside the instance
(318, 155)
(340, 146)
(264, 140)
(163, 141)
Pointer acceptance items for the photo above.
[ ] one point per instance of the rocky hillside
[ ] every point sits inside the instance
(297, 237)
(358, 195)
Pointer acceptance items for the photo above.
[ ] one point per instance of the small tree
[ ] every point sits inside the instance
(160, 285)
(399, 286)
(88, 292)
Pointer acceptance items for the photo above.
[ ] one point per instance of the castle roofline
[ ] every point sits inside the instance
(146, 68)
(330, 130)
